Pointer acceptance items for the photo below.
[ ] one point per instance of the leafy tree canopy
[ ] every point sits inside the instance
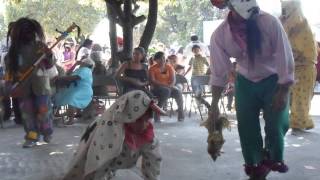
(177, 19)
(180, 18)
(56, 14)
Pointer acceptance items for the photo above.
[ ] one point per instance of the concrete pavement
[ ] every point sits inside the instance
(183, 147)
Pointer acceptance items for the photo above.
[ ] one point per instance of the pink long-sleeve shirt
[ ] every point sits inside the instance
(276, 56)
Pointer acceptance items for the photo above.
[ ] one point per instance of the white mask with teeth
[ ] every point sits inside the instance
(244, 8)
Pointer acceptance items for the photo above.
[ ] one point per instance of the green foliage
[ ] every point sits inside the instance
(181, 18)
(58, 14)
(3, 28)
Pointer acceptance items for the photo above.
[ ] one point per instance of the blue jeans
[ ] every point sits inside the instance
(196, 88)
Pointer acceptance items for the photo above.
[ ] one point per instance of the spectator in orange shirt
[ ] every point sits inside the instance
(162, 77)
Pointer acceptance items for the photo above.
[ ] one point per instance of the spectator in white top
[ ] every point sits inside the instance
(84, 49)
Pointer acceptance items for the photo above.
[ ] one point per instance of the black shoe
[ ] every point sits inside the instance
(229, 108)
(6, 119)
(17, 121)
(29, 143)
(47, 138)
(297, 132)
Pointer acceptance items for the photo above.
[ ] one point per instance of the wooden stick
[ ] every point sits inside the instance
(27, 73)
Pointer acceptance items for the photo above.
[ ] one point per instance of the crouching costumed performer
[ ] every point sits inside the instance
(117, 139)
(265, 69)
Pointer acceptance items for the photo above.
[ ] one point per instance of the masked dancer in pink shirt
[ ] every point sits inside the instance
(265, 69)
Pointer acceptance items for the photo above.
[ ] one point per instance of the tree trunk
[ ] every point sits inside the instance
(150, 26)
(128, 20)
(127, 30)
(113, 38)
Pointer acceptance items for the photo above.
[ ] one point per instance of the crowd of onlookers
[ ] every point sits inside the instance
(153, 73)
(157, 77)
(65, 77)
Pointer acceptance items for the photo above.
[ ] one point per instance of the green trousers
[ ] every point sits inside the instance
(251, 98)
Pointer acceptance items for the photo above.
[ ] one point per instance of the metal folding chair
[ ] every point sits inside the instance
(112, 91)
(206, 93)
(186, 91)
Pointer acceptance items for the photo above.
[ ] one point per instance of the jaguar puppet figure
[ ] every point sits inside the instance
(215, 128)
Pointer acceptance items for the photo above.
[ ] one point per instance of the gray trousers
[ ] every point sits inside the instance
(164, 93)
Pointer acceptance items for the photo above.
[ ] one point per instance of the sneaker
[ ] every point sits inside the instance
(29, 144)
(280, 167)
(297, 132)
(259, 172)
(47, 138)
(17, 121)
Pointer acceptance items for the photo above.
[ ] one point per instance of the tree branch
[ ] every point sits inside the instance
(150, 26)
(113, 37)
(127, 30)
(138, 20)
(117, 11)
(135, 7)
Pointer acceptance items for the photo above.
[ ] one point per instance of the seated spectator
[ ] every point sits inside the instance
(162, 77)
(84, 50)
(151, 61)
(69, 57)
(99, 69)
(96, 47)
(77, 89)
(134, 74)
(173, 61)
(96, 56)
(179, 69)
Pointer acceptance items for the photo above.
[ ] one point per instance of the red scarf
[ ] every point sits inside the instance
(134, 140)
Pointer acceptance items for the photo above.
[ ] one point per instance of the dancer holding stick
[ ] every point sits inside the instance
(28, 62)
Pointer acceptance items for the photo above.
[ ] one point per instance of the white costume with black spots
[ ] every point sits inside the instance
(102, 149)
